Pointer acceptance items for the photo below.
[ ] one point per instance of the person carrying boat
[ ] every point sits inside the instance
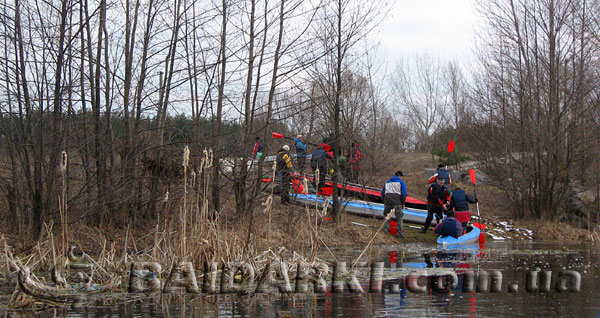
(319, 161)
(449, 226)
(393, 194)
(283, 169)
(258, 149)
(354, 157)
(460, 203)
(300, 152)
(436, 202)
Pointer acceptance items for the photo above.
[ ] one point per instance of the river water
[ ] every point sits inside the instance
(512, 259)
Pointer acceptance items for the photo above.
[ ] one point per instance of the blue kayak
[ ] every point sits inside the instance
(471, 237)
(363, 208)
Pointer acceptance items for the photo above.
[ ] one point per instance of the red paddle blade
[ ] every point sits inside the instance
(451, 146)
(277, 135)
(472, 175)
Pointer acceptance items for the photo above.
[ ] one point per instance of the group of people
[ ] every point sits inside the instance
(441, 199)
(318, 162)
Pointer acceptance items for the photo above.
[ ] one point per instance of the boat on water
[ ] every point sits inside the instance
(362, 208)
(471, 237)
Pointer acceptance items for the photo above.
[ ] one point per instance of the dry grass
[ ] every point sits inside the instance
(546, 230)
(187, 231)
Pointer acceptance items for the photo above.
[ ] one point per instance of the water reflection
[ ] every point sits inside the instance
(511, 259)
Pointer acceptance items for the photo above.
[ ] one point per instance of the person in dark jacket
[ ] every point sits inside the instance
(436, 202)
(393, 194)
(283, 169)
(319, 161)
(258, 149)
(300, 152)
(449, 226)
(460, 203)
(444, 174)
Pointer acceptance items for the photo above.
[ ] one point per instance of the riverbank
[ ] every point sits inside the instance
(298, 228)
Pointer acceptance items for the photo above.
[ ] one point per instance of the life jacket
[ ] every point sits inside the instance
(449, 227)
(435, 194)
(459, 199)
(284, 161)
(442, 173)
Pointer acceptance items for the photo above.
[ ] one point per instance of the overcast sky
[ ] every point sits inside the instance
(443, 28)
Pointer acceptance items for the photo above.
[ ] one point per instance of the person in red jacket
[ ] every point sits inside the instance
(354, 158)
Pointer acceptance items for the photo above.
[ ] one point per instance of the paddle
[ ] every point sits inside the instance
(450, 146)
(474, 181)
(281, 136)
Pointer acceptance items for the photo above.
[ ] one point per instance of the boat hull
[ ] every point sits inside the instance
(362, 208)
(471, 237)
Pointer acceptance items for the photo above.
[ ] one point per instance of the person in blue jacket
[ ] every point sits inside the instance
(393, 194)
(300, 152)
(449, 226)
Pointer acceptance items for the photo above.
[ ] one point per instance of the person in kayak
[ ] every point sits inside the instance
(300, 152)
(460, 203)
(319, 161)
(449, 226)
(283, 169)
(393, 194)
(436, 202)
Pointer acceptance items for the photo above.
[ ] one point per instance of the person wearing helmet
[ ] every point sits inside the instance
(283, 170)
(300, 152)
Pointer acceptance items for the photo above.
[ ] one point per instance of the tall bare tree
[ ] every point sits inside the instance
(534, 91)
(421, 96)
(344, 24)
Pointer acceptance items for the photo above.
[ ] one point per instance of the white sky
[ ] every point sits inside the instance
(441, 28)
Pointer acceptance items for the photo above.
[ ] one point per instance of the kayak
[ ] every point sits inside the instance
(373, 194)
(361, 192)
(362, 208)
(471, 237)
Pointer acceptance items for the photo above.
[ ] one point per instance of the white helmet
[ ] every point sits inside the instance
(286, 147)
(299, 137)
